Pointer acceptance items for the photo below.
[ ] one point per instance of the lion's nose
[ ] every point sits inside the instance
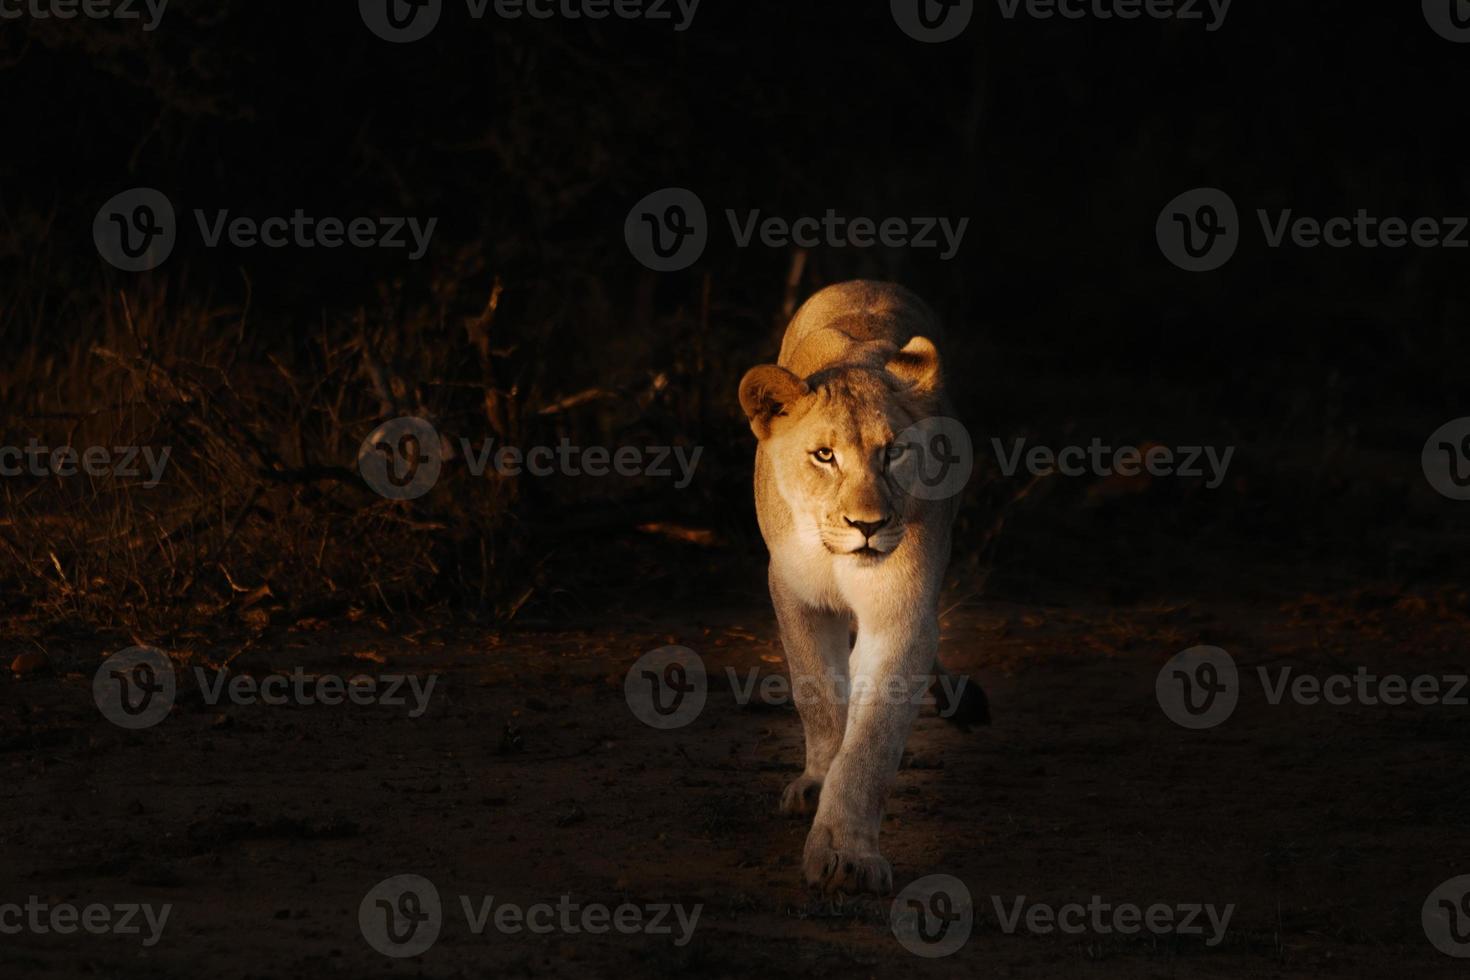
(869, 528)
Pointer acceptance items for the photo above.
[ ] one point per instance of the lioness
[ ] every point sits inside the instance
(851, 550)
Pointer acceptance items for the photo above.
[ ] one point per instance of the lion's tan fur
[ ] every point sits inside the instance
(858, 365)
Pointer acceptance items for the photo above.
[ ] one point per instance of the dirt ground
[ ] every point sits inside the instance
(528, 778)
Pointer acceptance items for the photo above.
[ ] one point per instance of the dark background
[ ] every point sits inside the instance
(530, 140)
(529, 322)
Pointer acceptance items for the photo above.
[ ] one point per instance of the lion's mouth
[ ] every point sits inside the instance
(870, 549)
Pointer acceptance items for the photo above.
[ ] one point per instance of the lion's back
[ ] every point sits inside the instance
(857, 312)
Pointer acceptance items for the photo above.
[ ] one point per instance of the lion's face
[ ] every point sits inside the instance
(833, 441)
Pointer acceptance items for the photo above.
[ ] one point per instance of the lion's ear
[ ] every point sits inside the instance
(916, 366)
(765, 393)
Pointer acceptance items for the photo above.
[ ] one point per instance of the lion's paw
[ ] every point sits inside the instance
(801, 795)
(839, 866)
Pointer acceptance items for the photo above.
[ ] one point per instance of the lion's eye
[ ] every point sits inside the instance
(824, 455)
(896, 450)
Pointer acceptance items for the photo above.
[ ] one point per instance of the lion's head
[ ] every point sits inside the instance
(832, 440)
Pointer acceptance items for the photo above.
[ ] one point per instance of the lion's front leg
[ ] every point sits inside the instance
(889, 664)
(816, 655)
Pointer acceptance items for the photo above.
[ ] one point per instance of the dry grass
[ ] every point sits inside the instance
(260, 497)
